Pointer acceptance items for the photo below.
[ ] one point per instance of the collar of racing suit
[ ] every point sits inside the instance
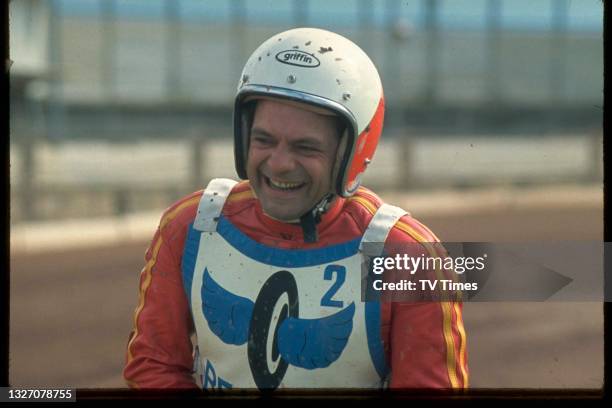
(299, 231)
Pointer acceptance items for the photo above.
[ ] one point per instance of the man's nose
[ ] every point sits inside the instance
(281, 160)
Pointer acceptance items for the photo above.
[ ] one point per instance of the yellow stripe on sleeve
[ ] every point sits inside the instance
(446, 312)
(240, 196)
(462, 336)
(149, 266)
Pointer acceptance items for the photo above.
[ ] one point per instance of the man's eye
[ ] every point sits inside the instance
(307, 148)
(262, 140)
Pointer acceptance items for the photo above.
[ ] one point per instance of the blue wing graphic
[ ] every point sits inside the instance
(315, 343)
(228, 315)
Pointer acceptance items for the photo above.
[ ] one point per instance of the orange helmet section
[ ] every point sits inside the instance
(365, 146)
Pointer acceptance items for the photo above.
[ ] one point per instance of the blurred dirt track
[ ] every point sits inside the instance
(71, 311)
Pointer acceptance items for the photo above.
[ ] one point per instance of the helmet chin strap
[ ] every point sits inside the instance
(311, 218)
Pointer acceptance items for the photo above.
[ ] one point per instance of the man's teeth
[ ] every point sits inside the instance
(284, 185)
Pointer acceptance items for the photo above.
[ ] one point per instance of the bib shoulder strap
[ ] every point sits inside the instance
(378, 229)
(211, 204)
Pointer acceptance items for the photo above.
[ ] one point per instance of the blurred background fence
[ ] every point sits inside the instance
(124, 105)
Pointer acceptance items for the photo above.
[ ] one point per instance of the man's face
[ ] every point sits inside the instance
(291, 157)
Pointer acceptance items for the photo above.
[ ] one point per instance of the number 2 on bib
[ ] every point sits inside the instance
(340, 275)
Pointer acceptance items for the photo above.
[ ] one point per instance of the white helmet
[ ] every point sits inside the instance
(323, 69)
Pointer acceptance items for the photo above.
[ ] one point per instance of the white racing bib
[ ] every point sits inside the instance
(272, 318)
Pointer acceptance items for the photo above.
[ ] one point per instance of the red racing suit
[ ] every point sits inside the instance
(424, 342)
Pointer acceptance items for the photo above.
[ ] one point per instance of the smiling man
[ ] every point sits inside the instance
(258, 284)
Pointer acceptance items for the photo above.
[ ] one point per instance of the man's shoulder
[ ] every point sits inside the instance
(183, 211)
(241, 195)
(408, 229)
(364, 204)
